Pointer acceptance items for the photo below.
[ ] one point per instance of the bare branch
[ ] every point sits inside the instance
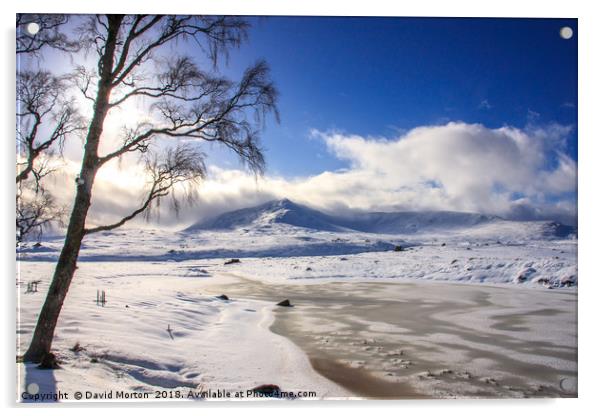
(35, 210)
(82, 78)
(48, 35)
(182, 164)
(214, 111)
(181, 80)
(134, 33)
(218, 32)
(39, 99)
(44, 118)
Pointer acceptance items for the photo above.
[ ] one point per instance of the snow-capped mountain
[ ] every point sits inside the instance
(281, 211)
(290, 213)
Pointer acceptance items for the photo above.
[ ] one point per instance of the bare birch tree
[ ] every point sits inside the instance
(186, 105)
(45, 118)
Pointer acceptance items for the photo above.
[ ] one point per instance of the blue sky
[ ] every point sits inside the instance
(475, 115)
(383, 76)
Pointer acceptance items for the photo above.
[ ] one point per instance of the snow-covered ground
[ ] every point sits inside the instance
(160, 330)
(163, 328)
(451, 247)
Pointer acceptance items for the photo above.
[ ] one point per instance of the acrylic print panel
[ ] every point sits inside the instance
(312, 208)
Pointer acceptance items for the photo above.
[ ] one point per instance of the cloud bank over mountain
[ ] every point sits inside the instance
(463, 167)
(510, 172)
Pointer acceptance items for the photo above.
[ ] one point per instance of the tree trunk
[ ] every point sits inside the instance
(24, 174)
(65, 268)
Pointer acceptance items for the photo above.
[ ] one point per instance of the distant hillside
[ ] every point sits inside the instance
(413, 222)
(287, 212)
(273, 212)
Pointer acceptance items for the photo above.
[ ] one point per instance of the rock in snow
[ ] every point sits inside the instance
(285, 302)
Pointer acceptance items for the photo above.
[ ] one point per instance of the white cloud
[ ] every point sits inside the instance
(459, 167)
(474, 168)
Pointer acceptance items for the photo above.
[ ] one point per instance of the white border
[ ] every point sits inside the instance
(468, 8)
(590, 160)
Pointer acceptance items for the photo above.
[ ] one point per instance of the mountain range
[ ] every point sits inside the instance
(285, 211)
